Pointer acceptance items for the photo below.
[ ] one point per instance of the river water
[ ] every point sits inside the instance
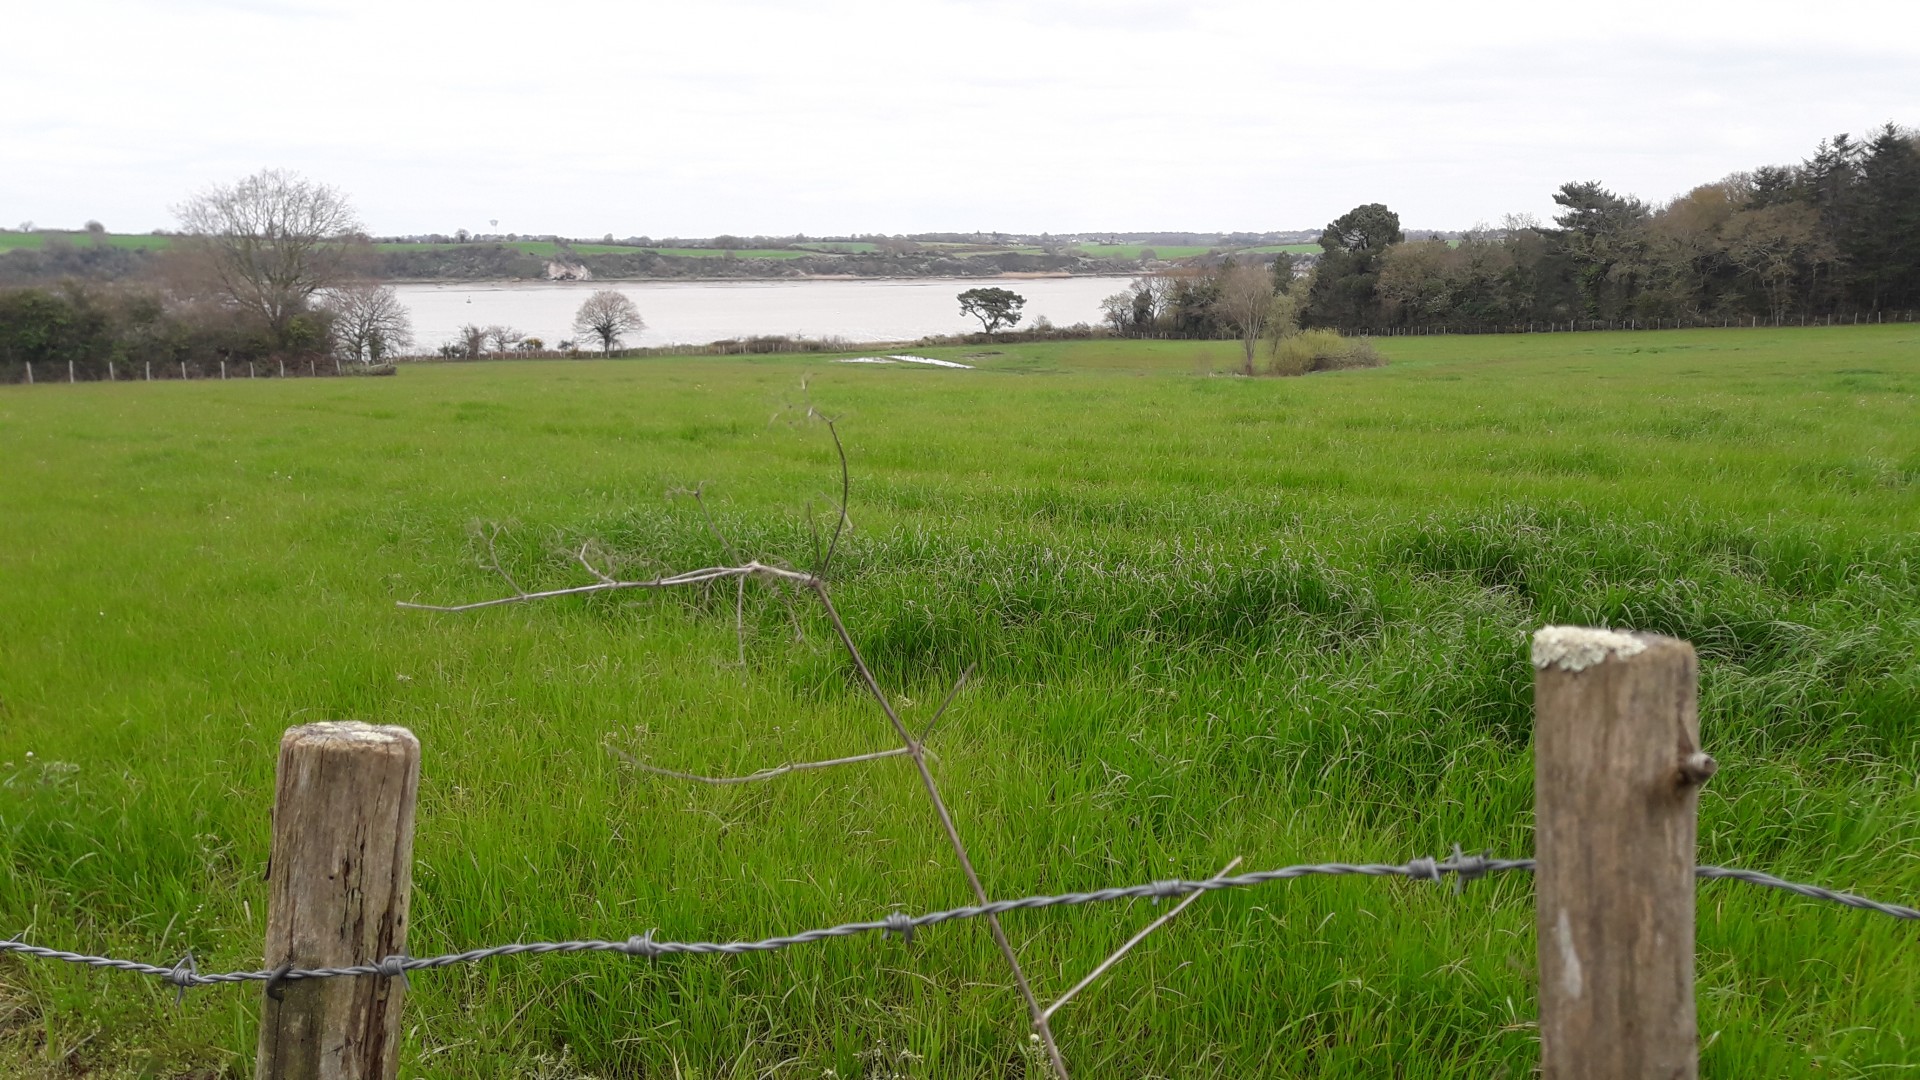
(697, 312)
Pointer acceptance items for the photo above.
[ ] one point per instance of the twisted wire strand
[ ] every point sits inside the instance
(1462, 868)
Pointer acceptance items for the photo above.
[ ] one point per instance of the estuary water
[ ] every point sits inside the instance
(697, 312)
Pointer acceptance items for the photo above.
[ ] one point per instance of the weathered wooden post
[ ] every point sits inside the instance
(341, 869)
(1617, 775)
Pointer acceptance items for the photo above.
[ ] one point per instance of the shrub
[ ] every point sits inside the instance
(1321, 350)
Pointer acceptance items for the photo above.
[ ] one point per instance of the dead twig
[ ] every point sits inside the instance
(1136, 939)
(493, 560)
(953, 692)
(763, 774)
(846, 489)
(918, 753)
(910, 746)
(581, 557)
(691, 577)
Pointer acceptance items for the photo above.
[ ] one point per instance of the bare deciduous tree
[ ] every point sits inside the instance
(369, 321)
(472, 341)
(504, 338)
(270, 242)
(609, 316)
(1246, 301)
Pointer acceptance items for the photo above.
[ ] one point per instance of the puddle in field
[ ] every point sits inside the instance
(905, 359)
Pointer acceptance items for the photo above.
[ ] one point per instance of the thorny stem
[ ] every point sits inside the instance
(918, 754)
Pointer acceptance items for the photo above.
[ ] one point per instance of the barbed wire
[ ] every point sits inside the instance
(1461, 867)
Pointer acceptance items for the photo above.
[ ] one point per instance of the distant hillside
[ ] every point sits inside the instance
(27, 257)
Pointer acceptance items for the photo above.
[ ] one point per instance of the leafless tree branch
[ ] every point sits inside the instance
(581, 555)
(1136, 939)
(846, 488)
(691, 577)
(493, 560)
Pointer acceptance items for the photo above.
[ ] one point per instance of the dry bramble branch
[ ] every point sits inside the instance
(911, 745)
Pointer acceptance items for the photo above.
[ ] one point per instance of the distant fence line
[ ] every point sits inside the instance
(769, 345)
(305, 367)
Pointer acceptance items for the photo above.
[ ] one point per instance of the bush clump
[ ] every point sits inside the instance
(1321, 350)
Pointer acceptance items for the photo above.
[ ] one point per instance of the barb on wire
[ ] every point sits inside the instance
(1467, 867)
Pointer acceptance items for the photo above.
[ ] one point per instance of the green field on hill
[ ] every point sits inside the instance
(1185, 251)
(1209, 617)
(17, 241)
(548, 249)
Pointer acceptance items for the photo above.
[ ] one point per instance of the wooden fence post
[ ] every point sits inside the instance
(341, 869)
(1617, 775)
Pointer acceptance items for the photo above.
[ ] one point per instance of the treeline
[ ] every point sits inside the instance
(1837, 235)
(100, 329)
(59, 258)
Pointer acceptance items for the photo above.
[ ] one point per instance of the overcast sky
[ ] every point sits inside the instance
(841, 116)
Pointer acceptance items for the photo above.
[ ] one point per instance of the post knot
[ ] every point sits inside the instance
(899, 924)
(641, 945)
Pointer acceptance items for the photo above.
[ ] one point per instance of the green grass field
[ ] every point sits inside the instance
(15, 241)
(1212, 617)
(855, 247)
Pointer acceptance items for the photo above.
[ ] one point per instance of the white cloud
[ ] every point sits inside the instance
(586, 117)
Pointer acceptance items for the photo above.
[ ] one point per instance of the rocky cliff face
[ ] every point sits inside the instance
(566, 271)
